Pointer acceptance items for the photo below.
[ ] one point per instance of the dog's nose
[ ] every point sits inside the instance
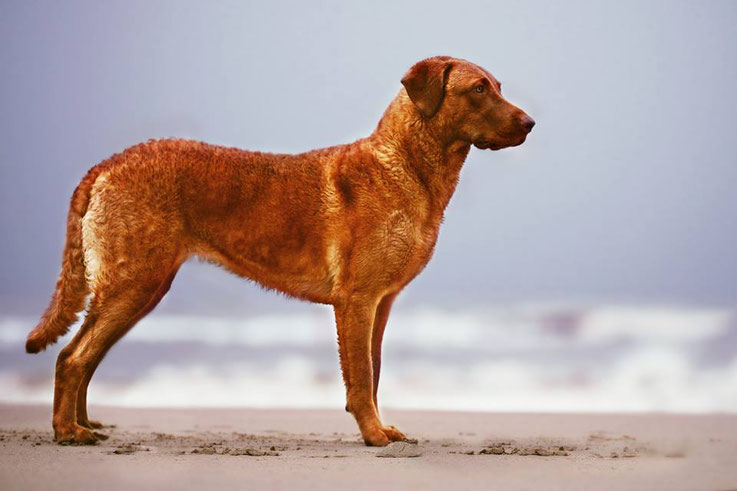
(527, 123)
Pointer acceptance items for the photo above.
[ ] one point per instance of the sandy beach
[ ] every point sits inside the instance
(298, 449)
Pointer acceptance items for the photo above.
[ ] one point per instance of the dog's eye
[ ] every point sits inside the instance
(479, 89)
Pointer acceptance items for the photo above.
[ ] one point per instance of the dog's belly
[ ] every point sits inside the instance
(285, 259)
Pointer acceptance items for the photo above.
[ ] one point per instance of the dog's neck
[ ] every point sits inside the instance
(404, 138)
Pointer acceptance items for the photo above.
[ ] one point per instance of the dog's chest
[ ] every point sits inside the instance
(409, 244)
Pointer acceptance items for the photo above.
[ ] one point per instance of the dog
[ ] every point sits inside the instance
(349, 226)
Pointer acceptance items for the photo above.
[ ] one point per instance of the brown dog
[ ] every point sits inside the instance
(349, 226)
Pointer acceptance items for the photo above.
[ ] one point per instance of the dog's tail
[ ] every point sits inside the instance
(71, 288)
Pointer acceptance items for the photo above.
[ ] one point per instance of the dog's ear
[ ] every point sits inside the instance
(425, 84)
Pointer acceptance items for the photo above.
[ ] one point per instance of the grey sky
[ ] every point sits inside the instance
(624, 192)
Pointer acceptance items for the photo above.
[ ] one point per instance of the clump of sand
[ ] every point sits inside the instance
(400, 450)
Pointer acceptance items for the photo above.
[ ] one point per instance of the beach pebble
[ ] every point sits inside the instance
(129, 448)
(400, 450)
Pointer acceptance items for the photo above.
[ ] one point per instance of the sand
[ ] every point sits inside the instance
(304, 449)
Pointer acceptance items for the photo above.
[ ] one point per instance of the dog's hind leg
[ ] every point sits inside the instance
(65, 388)
(154, 299)
(82, 417)
(113, 312)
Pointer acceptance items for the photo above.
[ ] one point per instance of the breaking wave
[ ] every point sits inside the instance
(538, 359)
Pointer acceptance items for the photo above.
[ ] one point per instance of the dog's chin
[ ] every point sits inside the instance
(487, 145)
(496, 145)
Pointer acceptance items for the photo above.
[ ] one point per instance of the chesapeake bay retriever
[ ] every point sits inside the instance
(349, 226)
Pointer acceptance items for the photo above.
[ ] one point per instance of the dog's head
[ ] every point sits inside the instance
(467, 101)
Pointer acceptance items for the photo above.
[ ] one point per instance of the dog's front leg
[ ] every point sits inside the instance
(355, 320)
(377, 336)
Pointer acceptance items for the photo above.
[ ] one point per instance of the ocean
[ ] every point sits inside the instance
(515, 358)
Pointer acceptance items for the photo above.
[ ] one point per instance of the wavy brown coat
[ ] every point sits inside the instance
(349, 226)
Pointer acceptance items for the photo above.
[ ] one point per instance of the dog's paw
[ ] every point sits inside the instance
(76, 435)
(393, 434)
(90, 424)
(100, 436)
(376, 438)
